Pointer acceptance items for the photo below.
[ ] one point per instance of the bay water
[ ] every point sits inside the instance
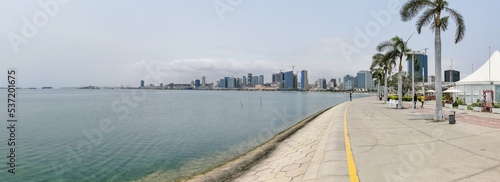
(127, 135)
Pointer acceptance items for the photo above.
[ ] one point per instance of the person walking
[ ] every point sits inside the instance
(350, 95)
(415, 101)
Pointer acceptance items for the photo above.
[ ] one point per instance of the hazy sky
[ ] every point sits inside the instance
(115, 42)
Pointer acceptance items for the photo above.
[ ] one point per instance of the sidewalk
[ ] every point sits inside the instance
(387, 145)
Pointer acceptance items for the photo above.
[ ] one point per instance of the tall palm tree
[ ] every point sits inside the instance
(384, 62)
(378, 75)
(396, 48)
(433, 17)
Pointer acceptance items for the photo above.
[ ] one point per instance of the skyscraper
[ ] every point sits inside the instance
(250, 80)
(289, 82)
(197, 83)
(422, 58)
(231, 82)
(304, 81)
(364, 79)
(452, 75)
(261, 79)
(349, 82)
(203, 82)
(244, 81)
(222, 83)
(142, 83)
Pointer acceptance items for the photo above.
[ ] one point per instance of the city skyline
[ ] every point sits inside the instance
(112, 44)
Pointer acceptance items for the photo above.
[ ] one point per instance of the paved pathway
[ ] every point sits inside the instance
(387, 145)
(478, 118)
(316, 151)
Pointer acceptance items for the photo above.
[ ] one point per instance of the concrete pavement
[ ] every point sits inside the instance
(387, 145)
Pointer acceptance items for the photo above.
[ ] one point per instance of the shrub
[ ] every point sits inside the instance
(480, 104)
(461, 102)
(496, 105)
(407, 98)
(393, 97)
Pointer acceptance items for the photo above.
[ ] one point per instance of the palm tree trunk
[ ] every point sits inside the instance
(439, 91)
(378, 89)
(385, 87)
(400, 88)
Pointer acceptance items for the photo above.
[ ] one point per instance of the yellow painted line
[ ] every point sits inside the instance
(350, 159)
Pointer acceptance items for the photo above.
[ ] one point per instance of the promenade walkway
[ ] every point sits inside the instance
(387, 145)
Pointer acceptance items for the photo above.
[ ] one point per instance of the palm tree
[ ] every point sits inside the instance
(383, 61)
(378, 75)
(396, 48)
(432, 16)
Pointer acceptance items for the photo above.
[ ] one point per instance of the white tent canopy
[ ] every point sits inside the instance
(487, 77)
(482, 75)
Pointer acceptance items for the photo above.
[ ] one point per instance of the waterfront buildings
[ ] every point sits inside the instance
(197, 83)
(231, 82)
(422, 58)
(244, 81)
(364, 80)
(451, 76)
(255, 81)
(348, 82)
(290, 81)
(203, 82)
(250, 80)
(261, 79)
(303, 80)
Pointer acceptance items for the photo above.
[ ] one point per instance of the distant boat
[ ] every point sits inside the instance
(32, 88)
(47, 87)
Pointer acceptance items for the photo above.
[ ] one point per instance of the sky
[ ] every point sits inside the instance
(64, 43)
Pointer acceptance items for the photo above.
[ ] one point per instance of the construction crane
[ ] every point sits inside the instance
(425, 51)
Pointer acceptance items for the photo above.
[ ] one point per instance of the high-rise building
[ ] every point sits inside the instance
(334, 81)
(289, 82)
(231, 82)
(348, 82)
(197, 83)
(244, 80)
(250, 80)
(422, 58)
(261, 79)
(142, 83)
(304, 80)
(321, 83)
(364, 80)
(452, 75)
(203, 82)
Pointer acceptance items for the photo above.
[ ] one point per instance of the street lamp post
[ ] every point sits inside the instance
(413, 79)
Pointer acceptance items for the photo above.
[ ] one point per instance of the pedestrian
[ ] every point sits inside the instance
(350, 95)
(415, 101)
(423, 100)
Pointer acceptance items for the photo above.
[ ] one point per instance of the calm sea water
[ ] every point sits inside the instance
(124, 135)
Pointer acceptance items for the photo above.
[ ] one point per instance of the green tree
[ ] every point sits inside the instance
(396, 48)
(406, 82)
(432, 16)
(387, 64)
(378, 76)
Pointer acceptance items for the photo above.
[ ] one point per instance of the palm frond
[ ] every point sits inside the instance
(425, 19)
(412, 8)
(385, 45)
(459, 20)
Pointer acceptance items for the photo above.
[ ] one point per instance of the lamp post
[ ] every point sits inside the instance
(413, 78)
